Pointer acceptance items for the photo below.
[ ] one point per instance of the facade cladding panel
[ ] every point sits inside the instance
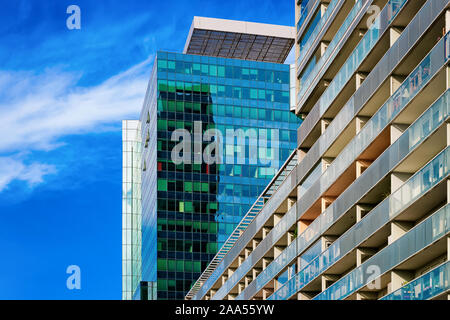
(189, 209)
(364, 214)
(131, 207)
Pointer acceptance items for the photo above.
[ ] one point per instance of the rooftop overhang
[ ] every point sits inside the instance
(239, 40)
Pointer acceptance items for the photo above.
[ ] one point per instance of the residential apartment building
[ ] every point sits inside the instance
(229, 88)
(360, 209)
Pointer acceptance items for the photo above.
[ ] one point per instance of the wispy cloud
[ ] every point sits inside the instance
(37, 110)
(12, 169)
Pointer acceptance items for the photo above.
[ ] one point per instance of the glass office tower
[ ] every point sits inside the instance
(189, 209)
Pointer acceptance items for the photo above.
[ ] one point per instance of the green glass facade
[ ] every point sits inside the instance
(190, 209)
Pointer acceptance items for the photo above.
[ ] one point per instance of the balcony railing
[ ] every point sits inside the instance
(313, 35)
(421, 236)
(361, 51)
(416, 187)
(306, 8)
(427, 286)
(418, 79)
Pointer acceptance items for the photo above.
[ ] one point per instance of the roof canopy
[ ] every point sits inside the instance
(239, 40)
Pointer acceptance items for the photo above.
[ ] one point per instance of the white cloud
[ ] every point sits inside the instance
(36, 110)
(14, 169)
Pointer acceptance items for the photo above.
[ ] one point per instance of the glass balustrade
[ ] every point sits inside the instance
(427, 286)
(312, 177)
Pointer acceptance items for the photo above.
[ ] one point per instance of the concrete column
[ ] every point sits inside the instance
(231, 271)
(328, 280)
(360, 77)
(398, 179)
(224, 279)
(360, 123)
(325, 202)
(366, 296)
(247, 280)
(247, 252)
(323, 47)
(323, 8)
(255, 243)
(232, 296)
(447, 22)
(395, 83)
(276, 218)
(394, 34)
(302, 296)
(241, 287)
(301, 153)
(324, 123)
(276, 285)
(299, 263)
(399, 278)
(448, 190)
(302, 225)
(277, 250)
(290, 237)
(448, 248)
(362, 210)
(361, 166)
(447, 70)
(448, 134)
(256, 272)
(293, 269)
(363, 254)
(266, 293)
(291, 203)
(266, 262)
(326, 241)
(396, 131)
(326, 162)
(241, 259)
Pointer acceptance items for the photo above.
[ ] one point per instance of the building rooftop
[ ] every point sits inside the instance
(239, 40)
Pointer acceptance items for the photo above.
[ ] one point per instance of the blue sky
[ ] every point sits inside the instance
(63, 94)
